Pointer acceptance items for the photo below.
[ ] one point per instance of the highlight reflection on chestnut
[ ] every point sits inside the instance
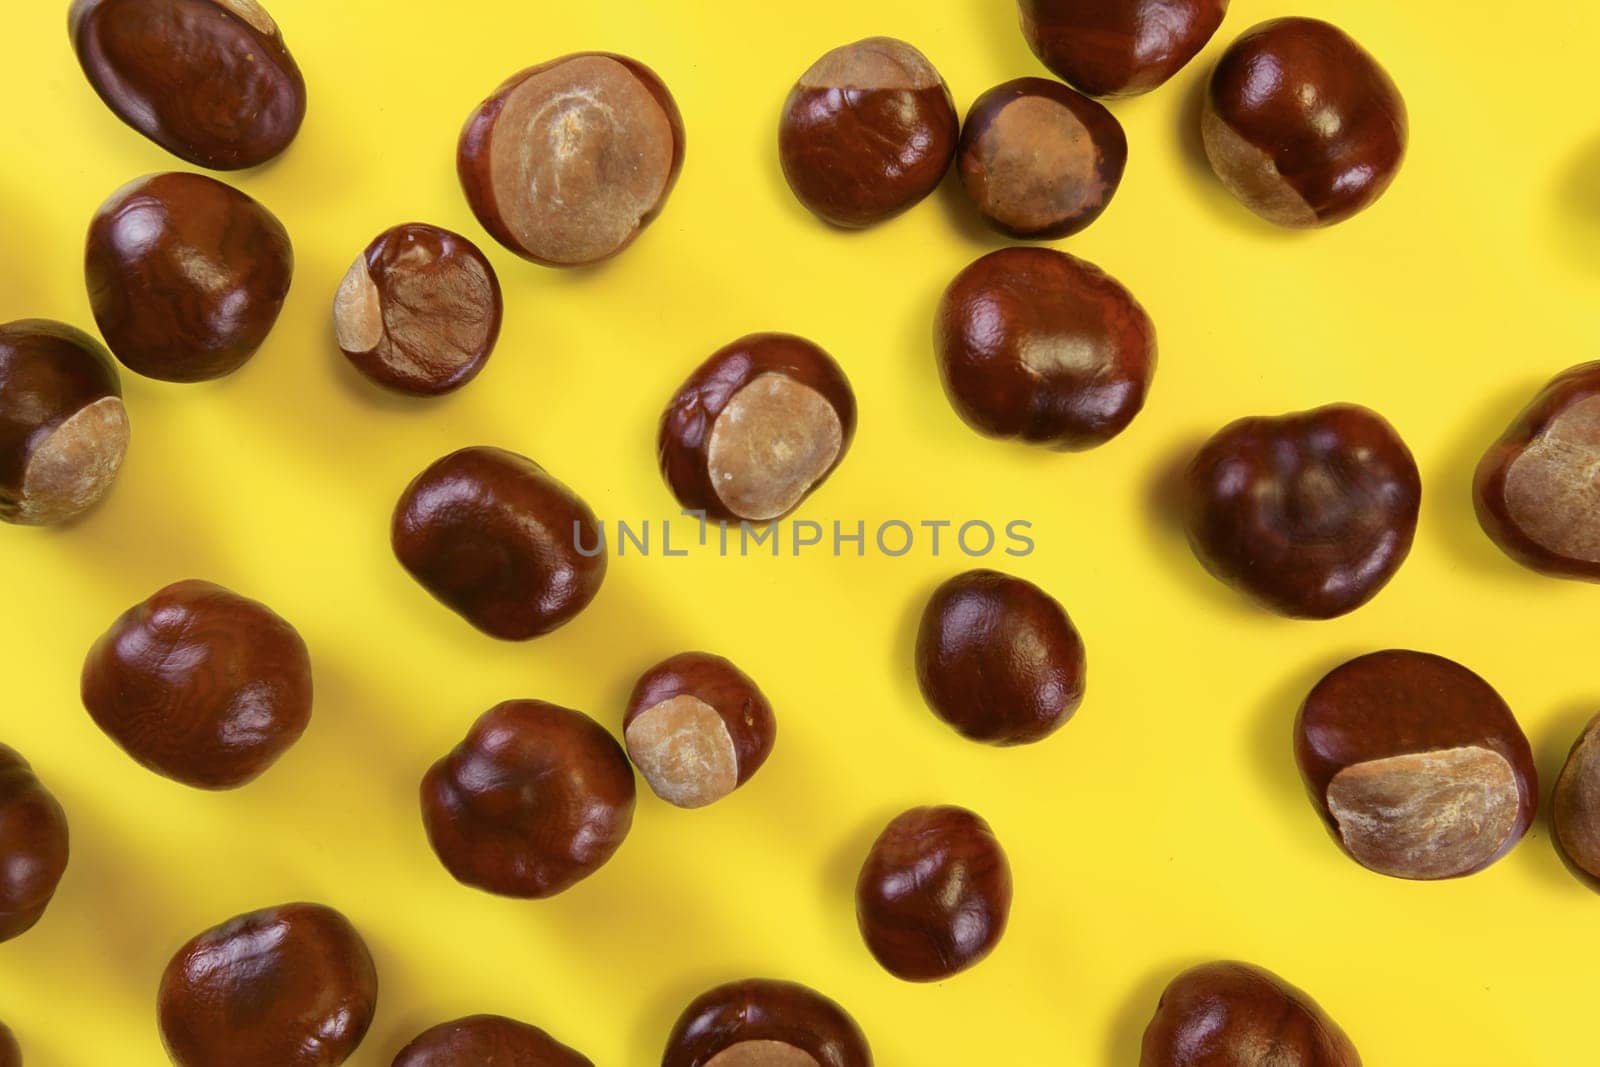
(765, 1023)
(1118, 47)
(33, 846)
(1228, 1014)
(481, 1040)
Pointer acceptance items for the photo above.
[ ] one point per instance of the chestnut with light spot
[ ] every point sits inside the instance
(1416, 764)
(481, 1040)
(765, 1023)
(567, 162)
(1234, 1014)
(1575, 806)
(34, 847)
(757, 428)
(1118, 47)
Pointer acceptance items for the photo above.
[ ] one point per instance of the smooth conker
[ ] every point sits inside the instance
(1118, 47)
(761, 1022)
(33, 846)
(1229, 1014)
(488, 1041)
(1575, 805)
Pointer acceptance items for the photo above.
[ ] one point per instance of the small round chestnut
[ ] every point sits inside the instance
(757, 428)
(1310, 514)
(567, 162)
(534, 800)
(291, 986)
(419, 311)
(697, 728)
(200, 685)
(934, 896)
(1118, 47)
(63, 427)
(761, 1022)
(1575, 805)
(211, 81)
(1416, 764)
(500, 542)
(1039, 160)
(480, 1040)
(10, 1051)
(33, 846)
(1039, 346)
(186, 276)
(1228, 1014)
(1302, 125)
(868, 132)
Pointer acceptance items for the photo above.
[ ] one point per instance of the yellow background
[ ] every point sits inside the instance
(1163, 826)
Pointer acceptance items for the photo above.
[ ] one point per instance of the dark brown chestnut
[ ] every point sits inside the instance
(10, 1051)
(498, 541)
(482, 1040)
(757, 428)
(1232, 1014)
(200, 685)
(868, 132)
(1302, 124)
(765, 1023)
(1310, 514)
(697, 728)
(33, 846)
(63, 427)
(934, 896)
(291, 986)
(1416, 764)
(534, 800)
(1036, 345)
(1575, 805)
(1039, 160)
(1118, 47)
(567, 162)
(186, 276)
(419, 311)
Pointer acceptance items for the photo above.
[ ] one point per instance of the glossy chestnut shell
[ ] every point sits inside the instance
(33, 846)
(1118, 47)
(765, 1023)
(1231, 1014)
(488, 1041)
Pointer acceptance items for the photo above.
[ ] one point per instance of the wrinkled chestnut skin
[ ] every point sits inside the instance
(1310, 514)
(10, 1052)
(1233, 1014)
(858, 155)
(934, 896)
(1302, 124)
(481, 1040)
(764, 1010)
(291, 986)
(157, 315)
(494, 538)
(200, 685)
(998, 659)
(1575, 806)
(1001, 326)
(533, 801)
(33, 847)
(1118, 47)
(211, 81)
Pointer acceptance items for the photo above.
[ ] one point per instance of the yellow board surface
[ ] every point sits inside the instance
(1164, 825)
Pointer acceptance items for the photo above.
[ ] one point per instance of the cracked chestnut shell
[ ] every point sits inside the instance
(1302, 125)
(1575, 805)
(33, 846)
(1310, 514)
(1416, 764)
(200, 685)
(1228, 1014)
(1118, 47)
(291, 986)
(480, 1040)
(63, 426)
(761, 1022)
(10, 1051)
(534, 800)
(934, 895)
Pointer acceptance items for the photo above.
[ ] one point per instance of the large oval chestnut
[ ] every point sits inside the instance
(765, 1023)
(1228, 1014)
(485, 1040)
(1118, 47)
(33, 846)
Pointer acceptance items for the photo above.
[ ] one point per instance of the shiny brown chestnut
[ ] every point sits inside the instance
(1039, 160)
(1575, 805)
(1302, 125)
(765, 1023)
(211, 81)
(1311, 514)
(1036, 345)
(186, 276)
(934, 895)
(567, 162)
(998, 659)
(33, 846)
(697, 728)
(1228, 1014)
(1118, 47)
(479, 1040)
(500, 542)
(10, 1051)
(534, 800)
(63, 427)
(200, 685)
(868, 132)
(1416, 764)
(291, 986)
(419, 311)
(757, 428)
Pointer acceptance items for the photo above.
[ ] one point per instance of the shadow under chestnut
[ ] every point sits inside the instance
(1575, 207)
